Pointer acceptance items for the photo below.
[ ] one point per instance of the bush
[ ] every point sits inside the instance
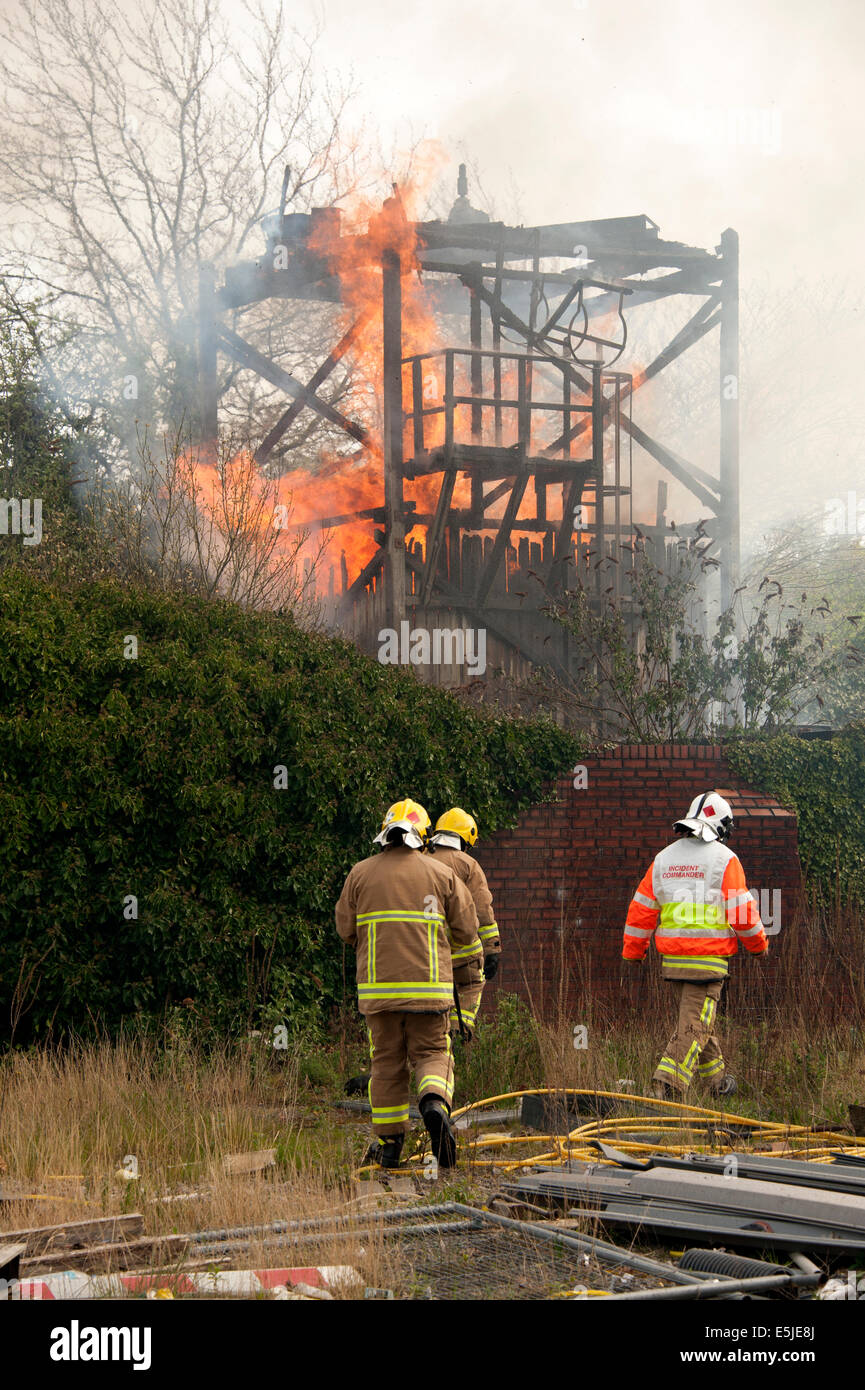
(823, 781)
(154, 854)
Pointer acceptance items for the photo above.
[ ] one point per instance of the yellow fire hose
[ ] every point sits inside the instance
(803, 1141)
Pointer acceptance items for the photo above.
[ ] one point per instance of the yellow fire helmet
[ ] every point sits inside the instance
(406, 821)
(458, 822)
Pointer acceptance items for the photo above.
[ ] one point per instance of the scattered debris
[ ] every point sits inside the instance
(798, 1172)
(74, 1235)
(403, 1187)
(255, 1161)
(121, 1254)
(313, 1281)
(553, 1114)
(838, 1288)
(10, 1258)
(469, 1119)
(685, 1201)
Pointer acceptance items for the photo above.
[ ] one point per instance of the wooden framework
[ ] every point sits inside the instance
(537, 302)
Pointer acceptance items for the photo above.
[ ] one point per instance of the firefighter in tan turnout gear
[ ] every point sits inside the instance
(694, 900)
(455, 832)
(401, 911)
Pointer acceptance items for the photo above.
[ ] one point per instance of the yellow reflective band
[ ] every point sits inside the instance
(490, 929)
(370, 952)
(644, 901)
(710, 1068)
(407, 989)
(398, 915)
(674, 929)
(667, 1064)
(695, 912)
(466, 952)
(688, 962)
(439, 1082)
(736, 898)
(690, 1058)
(707, 1013)
(392, 1112)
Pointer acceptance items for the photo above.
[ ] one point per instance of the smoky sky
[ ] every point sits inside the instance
(702, 115)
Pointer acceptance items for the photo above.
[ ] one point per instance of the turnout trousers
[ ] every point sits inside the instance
(693, 1049)
(398, 1042)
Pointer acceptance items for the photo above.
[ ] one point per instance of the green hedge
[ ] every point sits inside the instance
(823, 781)
(154, 777)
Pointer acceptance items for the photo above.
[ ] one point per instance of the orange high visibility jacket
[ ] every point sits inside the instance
(695, 902)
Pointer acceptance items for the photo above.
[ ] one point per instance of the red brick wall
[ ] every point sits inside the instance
(563, 878)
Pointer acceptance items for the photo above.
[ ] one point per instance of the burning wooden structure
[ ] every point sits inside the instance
(505, 453)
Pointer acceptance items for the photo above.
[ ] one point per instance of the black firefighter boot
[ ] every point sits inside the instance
(385, 1151)
(726, 1086)
(436, 1117)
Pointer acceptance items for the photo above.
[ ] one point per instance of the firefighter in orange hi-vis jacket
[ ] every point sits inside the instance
(695, 902)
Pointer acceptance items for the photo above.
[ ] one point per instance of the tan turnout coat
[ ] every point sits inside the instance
(475, 880)
(402, 910)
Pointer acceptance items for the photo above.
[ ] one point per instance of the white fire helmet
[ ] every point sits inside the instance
(709, 817)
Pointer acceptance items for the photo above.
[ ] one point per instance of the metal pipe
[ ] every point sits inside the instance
(315, 1223)
(365, 1233)
(720, 1288)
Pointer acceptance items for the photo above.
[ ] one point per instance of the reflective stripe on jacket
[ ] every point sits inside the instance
(401, 910)
(696, 904)
(475, 880)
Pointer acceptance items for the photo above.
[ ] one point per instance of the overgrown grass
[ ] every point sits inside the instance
(71, 1117)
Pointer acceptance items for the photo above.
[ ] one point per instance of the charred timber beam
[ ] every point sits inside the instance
(729, 403)
(495, 493)
(394, 563)
(556, 570)
(503, 534)
(369, 571)
(435, 534)
(514, 321)
(696, 328)
(497, 627)
(247, 356)
(679, 467)
(325, 523)
(476, 369)
(547, 471)
(701, 323)
(317, 379)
